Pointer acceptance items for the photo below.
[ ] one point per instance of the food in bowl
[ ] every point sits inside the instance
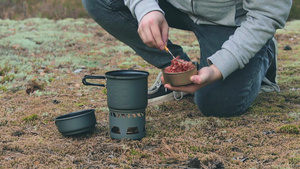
(179, 72)
(179, 65)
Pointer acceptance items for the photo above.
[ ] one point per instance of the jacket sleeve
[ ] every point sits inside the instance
(139, 8)
(262, 19)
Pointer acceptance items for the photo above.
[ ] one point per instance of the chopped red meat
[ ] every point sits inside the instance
(179, 65)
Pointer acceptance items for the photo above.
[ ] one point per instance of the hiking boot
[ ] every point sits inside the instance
(269, 83)
(157, 93)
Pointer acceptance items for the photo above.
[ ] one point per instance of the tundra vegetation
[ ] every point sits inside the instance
(42, 62)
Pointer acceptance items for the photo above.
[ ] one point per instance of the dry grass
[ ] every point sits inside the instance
(40, 56)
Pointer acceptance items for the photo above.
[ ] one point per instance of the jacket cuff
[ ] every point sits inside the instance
(224, 61)
(144, 7)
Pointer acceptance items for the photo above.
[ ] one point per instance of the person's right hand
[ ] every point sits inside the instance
(153, 30)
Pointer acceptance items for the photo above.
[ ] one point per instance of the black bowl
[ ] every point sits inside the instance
(76, 123)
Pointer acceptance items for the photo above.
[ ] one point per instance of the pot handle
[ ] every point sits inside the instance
(92, 77)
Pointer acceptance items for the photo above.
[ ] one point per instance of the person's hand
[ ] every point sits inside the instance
(153, 30)
(205, 76)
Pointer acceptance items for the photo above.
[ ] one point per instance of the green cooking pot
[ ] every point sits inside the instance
(126, 89)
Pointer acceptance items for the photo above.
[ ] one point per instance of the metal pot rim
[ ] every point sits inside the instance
(73, 115)
(126, 74)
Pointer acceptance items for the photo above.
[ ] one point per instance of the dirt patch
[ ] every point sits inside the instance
(42, 64)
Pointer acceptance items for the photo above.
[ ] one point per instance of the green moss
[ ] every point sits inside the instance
(30, 118)
(160, 153)
(3, 88)
(295, 160)
(134, 152)
(104, 91)
(195, 148)
(44, 93)
(289, 129)
(48, 78)
(7, 78)
(81, 104)
(4, 70)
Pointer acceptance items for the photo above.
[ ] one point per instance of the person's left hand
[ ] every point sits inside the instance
(205, 76)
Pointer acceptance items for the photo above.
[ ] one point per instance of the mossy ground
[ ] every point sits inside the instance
(38, 58)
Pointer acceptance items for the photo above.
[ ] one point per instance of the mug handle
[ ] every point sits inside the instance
(92, 77)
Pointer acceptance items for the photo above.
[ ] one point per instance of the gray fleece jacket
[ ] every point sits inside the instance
(257, 21)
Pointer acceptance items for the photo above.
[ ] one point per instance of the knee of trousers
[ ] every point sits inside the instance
(219, 106)
(96, 8)
(88, 5)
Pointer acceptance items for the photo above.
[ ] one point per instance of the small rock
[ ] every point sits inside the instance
(269, 132)
(295, 89)
(287, 47)
(78, 70)
(55, 101)
(244, 159)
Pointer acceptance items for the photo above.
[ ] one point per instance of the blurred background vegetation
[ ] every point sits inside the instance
(60, 9)
(52, 9)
